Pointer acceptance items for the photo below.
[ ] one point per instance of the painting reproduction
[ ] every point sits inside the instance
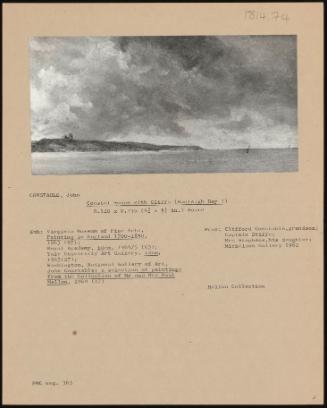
(164, 104)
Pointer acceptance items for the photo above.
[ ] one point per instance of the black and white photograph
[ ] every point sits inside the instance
(163, 104)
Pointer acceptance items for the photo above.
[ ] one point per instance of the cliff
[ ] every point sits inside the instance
(64, 145)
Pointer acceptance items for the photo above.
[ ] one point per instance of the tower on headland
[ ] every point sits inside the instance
(69, 136)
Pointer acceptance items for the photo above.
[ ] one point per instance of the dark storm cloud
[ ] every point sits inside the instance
(183, 88)
(217, 59)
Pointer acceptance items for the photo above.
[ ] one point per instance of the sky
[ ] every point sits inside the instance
(217, 92)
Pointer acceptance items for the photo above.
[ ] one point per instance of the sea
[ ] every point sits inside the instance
(144, 162)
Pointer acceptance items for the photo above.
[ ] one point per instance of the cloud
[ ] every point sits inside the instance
(211, 91)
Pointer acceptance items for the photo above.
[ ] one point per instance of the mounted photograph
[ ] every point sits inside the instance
(164, 104)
